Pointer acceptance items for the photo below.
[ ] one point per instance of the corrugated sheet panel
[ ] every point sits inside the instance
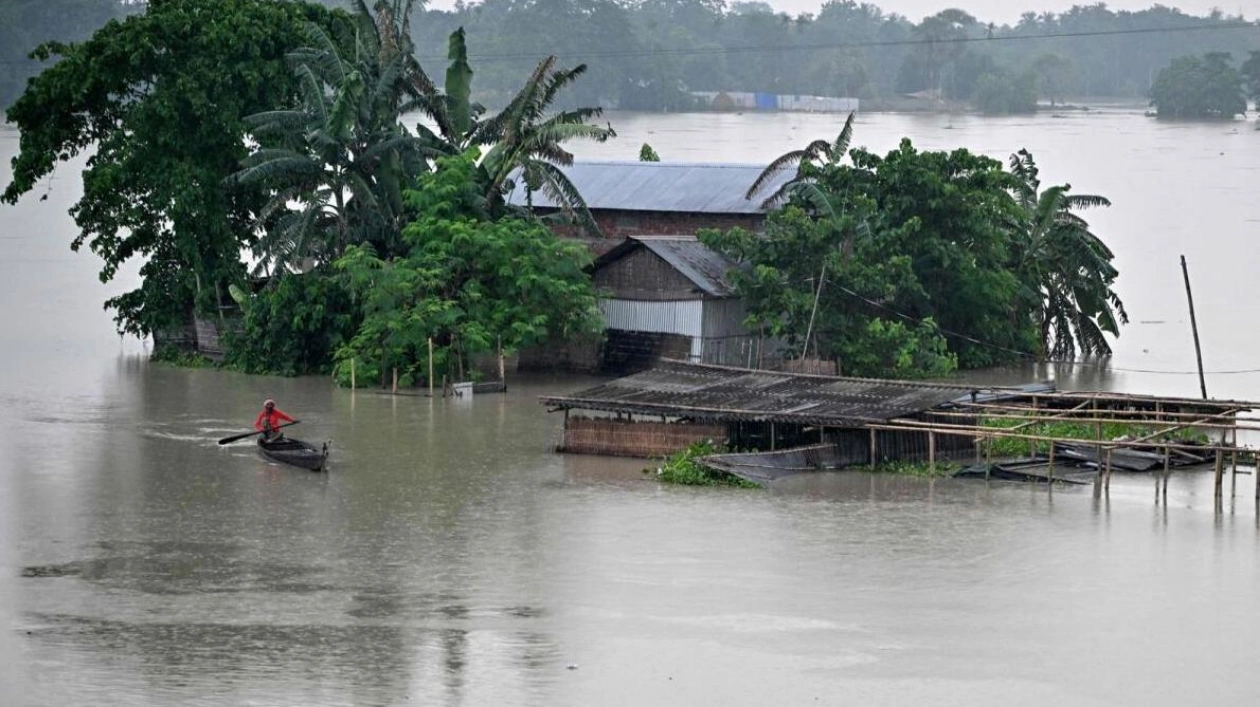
(705, 268)
(717, 393)
(662, 186)
(669, 317)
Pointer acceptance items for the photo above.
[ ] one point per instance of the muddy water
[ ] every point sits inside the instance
(449, 558)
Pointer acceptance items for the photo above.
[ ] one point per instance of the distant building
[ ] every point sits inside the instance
(659, 198)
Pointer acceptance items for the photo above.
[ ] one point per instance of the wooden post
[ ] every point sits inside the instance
(873, 449)
(1107, 475)
(430, 366)
(772, 436)
(1194, 327)
(1219, 473)
(352, 374)
(1051, 467)
(502, 377)
(932, 451)
(1167, 471)
(394, 389)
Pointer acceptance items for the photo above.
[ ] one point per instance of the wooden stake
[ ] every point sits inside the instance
(1167, 472)
(1194, 327)
(502, 377)
(873, 448)
(932, 451)
(352, 374)
(1051, 469)
(430, 366)
(394, 389)
(1219, 476)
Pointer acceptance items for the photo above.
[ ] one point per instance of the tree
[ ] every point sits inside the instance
(1054, 76)
(161, 98)
(1067, 267)
(337, 162)
(1251, 75)
(817, 154)
(524, 141)
(1000, 93)
(467, 283)
(1199, 87)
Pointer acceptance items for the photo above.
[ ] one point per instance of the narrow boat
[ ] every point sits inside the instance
(295, 452)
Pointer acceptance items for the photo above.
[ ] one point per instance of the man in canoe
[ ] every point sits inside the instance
(269, 421)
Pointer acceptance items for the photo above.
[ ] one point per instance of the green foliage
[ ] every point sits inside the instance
(917, 469)
(155, 187)
(1079, 431)
(173, 356)
(647, 154)
(1199, 87)
(682, 468)
(1000, 93)
(293, 325)
(918, 263)
(467, 283)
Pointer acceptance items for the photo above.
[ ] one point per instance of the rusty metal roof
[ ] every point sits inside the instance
(678, 389)
(689, 187)
(706, 268)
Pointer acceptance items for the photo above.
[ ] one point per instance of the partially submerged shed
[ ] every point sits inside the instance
(665, 409)
(670, 297)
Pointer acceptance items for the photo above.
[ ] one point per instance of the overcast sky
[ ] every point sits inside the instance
(1001, 11)
(1008, 11)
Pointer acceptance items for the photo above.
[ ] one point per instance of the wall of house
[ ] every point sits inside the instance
(625, 438)
(644, 275)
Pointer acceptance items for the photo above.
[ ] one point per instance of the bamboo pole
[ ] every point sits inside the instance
(394, 389)
(1050, 470)
(932, 450)
(431, 368)
(1167, 473)
(966, 431)
(1194, 327)
(352, 383)
(1218, 473)
(874, 448)
(502, 375)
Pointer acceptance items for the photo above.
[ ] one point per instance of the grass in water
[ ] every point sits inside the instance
(682, 468)
(1082, 432)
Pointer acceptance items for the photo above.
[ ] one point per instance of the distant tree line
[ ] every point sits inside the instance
(651, 54)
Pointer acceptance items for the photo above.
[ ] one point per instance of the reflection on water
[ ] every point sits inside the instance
(449, 557)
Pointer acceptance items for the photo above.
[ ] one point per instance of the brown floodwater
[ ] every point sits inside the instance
(449, 557)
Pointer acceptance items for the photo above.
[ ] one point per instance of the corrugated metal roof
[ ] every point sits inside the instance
(706, 392)
(697, 262)
(690, 187)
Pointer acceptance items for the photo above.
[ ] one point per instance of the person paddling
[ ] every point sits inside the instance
(269, 421)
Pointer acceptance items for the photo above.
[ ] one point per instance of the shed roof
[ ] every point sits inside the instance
(680, 389)
(703, 266)
(688, 187)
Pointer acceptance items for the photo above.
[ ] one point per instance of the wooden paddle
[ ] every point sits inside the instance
(234, 438)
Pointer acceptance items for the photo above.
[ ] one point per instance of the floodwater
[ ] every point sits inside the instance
(450, 558)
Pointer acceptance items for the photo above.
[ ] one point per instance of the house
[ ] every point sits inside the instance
(658, 198)
(670, 297)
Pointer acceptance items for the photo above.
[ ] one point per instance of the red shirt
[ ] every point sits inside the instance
(273, 420)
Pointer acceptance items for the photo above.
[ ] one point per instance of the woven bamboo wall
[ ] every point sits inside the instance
(622, 438)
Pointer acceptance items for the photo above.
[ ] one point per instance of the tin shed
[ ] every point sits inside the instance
(669, 297)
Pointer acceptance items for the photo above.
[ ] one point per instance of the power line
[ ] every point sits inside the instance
(751, 49)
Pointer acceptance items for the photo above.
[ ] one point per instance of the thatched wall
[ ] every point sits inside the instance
(624, 438)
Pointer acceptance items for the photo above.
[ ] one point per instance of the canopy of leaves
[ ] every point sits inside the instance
(1199, 87)
(467, 283)
(916, 263)
(160, 98)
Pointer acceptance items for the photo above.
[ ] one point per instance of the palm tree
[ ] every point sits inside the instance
(523, 141)
(1066, 268)
(816, 155)
(337, 163)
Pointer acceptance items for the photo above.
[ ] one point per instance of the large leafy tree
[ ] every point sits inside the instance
(160, 99)
(1067, 267)
(468, 283)
(1199, 87)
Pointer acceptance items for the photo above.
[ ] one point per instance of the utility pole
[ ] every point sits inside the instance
(1194, 327)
